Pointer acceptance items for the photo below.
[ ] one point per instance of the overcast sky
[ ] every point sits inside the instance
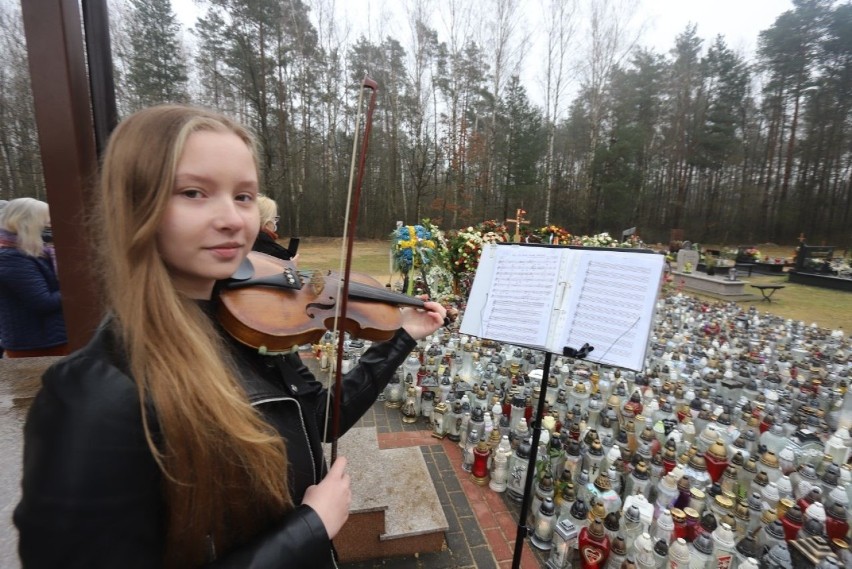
(740, 21)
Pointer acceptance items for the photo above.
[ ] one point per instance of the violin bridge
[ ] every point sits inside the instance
(317, 282)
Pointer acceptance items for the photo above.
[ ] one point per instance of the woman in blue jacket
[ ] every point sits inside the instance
(164, 442)
(31, 321)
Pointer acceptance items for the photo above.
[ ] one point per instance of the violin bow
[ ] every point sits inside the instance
(352, 199)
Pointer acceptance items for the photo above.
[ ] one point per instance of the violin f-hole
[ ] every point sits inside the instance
(311, 307)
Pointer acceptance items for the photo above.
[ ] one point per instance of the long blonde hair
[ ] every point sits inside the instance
(27, 218)
(225, 469)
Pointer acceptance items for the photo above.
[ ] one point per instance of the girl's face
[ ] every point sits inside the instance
(212, 219)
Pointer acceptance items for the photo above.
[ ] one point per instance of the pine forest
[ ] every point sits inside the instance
(610, 135)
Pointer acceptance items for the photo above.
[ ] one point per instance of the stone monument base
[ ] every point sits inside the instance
(716, 286)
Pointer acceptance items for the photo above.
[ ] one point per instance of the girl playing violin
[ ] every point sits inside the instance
(164, 442)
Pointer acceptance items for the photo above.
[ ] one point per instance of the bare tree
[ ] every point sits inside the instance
(20, 157)
(559, 26)
(611, 37)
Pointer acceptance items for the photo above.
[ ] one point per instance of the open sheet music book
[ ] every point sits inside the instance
(550, 298)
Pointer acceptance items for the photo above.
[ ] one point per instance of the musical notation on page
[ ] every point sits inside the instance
(613, 308)
(550, 298)
(521, 296)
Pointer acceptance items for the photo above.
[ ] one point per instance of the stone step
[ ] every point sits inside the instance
(395, 508)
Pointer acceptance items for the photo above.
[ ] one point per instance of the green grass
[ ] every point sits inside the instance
(828, 308)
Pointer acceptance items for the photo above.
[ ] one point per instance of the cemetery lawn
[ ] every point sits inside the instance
(828, 308)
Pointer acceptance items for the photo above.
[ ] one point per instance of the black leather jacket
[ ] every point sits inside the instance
(92, 490)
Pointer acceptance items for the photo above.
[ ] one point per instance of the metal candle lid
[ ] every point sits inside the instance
(807, 472)
(703, 543)
(794, 514)
(775, 529)
(697, 463)
(717, 450)
(618, 547)
(596, 529)
(632, 514)
(747, 547)
(768, 516)
(579, 510)
(769, 459)
(837, 511)
(598, 511)
(611, 522)
(602, 482)
(780, 555)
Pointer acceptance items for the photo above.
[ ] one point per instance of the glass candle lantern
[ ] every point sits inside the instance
(564, 542)
(594, 546)
(638, 480)
(479, 470)
(544, 525)
(692, 523)
(667, 493)
(770, 535)
(792, 522)
(394, 393)
(632, 526)
(467, 454)
(517, 411)
(518, 467)
(664, 527)
(678, 554)
(427, 404)
(409, 408)
(836, 522)
(716, 460)
(454, 420)
(500, 465)
(579, 514)
(612, 525)
(643, 552)
(701, 552)
(746, 548)
(439, 420)
(679, 530)
(723, 546)
(617, 554)
(543, 490)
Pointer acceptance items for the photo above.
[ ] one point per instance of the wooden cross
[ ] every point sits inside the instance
(801, 237)
(519, 219)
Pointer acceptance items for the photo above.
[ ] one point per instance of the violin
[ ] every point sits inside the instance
(271, 306)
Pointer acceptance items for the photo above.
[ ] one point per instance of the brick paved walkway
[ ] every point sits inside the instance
(482, 523)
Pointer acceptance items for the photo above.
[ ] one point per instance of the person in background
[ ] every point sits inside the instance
(31, 320)
(165, 442)
(3, 204)
(267, 238)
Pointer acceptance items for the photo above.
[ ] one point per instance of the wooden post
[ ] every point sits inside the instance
(53, 30)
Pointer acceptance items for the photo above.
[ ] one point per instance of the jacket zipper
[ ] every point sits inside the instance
(307, 440)
(301, 422)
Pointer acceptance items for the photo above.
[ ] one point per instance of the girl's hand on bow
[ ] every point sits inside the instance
(331, 498)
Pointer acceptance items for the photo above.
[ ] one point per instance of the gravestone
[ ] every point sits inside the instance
(685, 256)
